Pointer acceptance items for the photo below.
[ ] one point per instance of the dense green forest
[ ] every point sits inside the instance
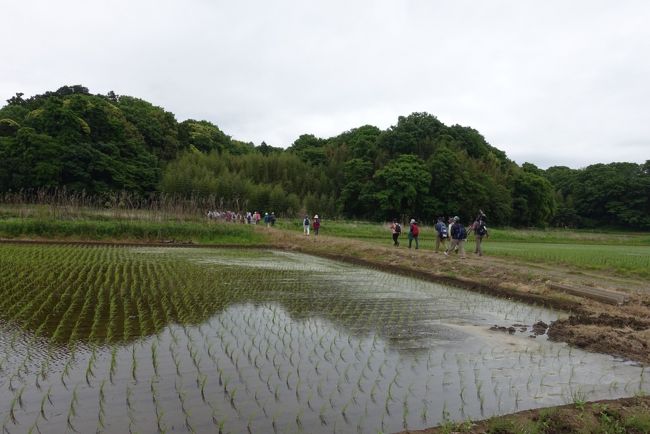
(419, 167)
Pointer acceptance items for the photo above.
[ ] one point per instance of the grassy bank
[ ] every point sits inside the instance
(380, 232)
(622, 260)
(131, 230)
(631, 415)
(622, 253)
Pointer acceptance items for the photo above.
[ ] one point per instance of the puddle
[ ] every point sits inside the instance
(262, 341)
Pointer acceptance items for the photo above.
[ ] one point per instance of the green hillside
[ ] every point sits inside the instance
(74, 141)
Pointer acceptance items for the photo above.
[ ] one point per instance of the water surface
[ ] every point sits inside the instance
(162, 339)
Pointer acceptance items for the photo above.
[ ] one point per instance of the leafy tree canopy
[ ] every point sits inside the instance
(87, 142)
(418, 167)
(401, 187)
(204, 136)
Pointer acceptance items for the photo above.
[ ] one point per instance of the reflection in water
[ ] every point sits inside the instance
(230, 340)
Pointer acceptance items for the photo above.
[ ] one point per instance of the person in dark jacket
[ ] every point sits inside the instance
(458, 237)
(441, 234)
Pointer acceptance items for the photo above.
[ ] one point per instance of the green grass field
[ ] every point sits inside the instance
(621, 253)
(379, 232)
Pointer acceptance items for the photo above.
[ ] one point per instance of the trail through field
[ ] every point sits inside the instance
(506, 269)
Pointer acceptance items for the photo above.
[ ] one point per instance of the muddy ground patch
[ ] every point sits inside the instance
(617, 335)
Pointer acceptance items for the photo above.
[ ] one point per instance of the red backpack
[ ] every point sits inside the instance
(415, 230)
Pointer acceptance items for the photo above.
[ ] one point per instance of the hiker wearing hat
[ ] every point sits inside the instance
(458, 237)
(479, 227)
(316, 224)
(414, 232)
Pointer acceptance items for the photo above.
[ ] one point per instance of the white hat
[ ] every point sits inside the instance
(412, 221)
(316, 216)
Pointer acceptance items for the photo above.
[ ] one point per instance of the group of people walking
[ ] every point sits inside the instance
(307, 224)
(452, 230)
(251, 218)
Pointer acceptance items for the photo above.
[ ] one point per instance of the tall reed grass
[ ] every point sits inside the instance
(66, 204)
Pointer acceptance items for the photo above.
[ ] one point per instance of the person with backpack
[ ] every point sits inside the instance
(480, 230)
(305, 225)
(441, 230)
(458, 237)
(316, 225)
(396, 229)
(414, 233)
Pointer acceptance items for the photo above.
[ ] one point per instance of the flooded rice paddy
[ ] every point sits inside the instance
(117, 339)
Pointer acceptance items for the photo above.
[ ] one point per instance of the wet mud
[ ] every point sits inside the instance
(616, 335)
(568, 419)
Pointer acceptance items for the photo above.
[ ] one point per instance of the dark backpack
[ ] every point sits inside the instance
(481, 229)
(442, 230)
(398, 228)
(462, 233)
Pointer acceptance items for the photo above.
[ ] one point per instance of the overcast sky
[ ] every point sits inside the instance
(548, 82)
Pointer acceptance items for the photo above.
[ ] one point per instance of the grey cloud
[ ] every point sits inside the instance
(553, 83)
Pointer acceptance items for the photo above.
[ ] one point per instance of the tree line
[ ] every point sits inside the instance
(418, 167)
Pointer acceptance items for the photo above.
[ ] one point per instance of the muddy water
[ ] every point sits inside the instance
(294, 343)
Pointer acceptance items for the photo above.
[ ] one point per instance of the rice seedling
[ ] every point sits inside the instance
(12, 411)
(47, 398)
(89, 368)
(134, 366)
(72, 410)
(322, 414)
(270, 338)
(405, 412)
